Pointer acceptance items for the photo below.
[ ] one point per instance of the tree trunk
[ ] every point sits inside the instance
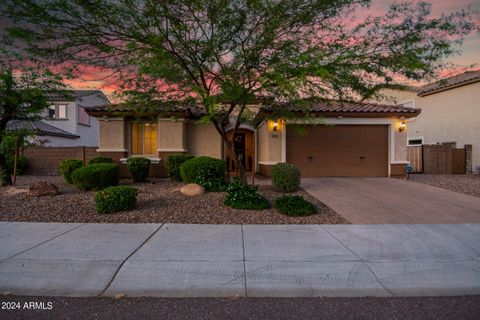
(236, 160)
(15, 160)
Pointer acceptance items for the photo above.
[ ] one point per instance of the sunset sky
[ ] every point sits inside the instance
(467, 60)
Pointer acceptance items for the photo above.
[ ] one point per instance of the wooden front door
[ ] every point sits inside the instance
(244, 148)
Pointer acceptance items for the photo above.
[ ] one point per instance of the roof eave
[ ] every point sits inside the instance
(453, 86)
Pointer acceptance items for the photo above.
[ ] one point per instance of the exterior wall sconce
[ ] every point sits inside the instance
(402, 126)
(275, 125)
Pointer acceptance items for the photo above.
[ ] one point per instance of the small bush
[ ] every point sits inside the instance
(295, 206)
(240, 196)
(114, 199)
(190, 169)
(21, 164)
(67, 167)
(138, 168)
(96, 176)
(100, 160)
(285, 177)
(173, 165)
(208, 178)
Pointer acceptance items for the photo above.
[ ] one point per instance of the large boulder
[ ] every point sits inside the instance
(192, 189)
(42, 188)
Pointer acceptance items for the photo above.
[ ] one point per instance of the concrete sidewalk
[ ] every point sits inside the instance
(175, 260)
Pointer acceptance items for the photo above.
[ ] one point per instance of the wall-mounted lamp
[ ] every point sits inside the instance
(402, 126)
(275, 125)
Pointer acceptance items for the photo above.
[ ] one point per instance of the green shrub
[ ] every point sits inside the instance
(241, 196)
(114, 199)
(21, 164)
(173, 165)
(67, 167)
(138, 167)
(3, 178)
(208, 178)
(295, 206)
(190, 169)
(96, 176)
(285, 177)
(100, 160)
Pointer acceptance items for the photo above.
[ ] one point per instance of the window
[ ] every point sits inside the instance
(144, 139)
(83, 117)
(58, 111)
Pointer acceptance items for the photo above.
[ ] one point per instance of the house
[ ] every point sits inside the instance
(366, 140)
(65, 123)
(450, 113)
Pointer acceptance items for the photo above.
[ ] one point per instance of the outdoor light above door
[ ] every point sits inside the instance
(402, 126)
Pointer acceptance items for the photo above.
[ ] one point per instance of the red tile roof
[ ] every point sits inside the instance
(336, 107)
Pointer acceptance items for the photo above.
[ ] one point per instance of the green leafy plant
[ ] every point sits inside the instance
(100, 160)
(115, 199)
(173, 164)
(208, 178)
(242, 196)
(67, 167)
(285, 177)
(294, 206)
(96, 176)
(22, 163)
(190, 169)
(138, 168)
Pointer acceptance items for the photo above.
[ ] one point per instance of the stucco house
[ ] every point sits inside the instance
(352, 140)
(66, 123)
(450, 112)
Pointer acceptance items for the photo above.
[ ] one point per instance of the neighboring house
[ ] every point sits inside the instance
(66, 123)
(362, 140)
(450, 112)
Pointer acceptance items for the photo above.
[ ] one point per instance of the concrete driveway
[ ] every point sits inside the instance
(391, 201)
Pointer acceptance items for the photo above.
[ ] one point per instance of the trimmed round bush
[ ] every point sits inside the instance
(21, 164)
(190, 169)
(285, 177)
(100, 160)
(138, 168)
(115, 199)
(96, 176)
(173, 164)
(241, 196)
(295, 206)
(67, 167)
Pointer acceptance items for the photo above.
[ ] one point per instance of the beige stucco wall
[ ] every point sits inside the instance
(269, 145)
(203, 140)
(112, 134)
(171, 135)
(400, 141)
(448, 116)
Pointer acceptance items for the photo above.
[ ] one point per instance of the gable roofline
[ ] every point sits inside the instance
(452, 82)
(76, 94)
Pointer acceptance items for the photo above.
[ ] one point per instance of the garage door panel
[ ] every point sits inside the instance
(343, 150)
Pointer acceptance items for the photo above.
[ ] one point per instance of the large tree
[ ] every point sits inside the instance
(23, 96)
(224, 53)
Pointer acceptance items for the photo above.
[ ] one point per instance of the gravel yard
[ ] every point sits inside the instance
(159, 201)
(467, 184)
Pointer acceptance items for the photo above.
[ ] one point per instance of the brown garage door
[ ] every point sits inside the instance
(339, 151)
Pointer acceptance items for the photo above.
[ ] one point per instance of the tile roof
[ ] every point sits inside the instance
(39, 128)
(348, 107)
(451, 82)
(125, 108)
(72, 94)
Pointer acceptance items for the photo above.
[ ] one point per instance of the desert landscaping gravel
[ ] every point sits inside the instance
(159, 201)
(467, 184)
